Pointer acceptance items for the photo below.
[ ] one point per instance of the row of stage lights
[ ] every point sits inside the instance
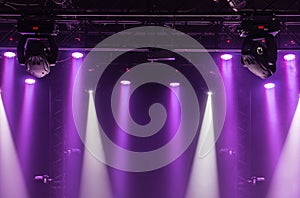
(79, 55)
(37, 49)
(287, 57)
(76, 55)
(127, 82)
(177, 84)
(31, 81)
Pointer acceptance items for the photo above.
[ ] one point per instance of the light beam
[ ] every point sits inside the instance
(286, 179)
(94, 178)
(204, 176)
(12, 183)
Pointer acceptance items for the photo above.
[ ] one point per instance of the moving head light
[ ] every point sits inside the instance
(259, 50)
(37, 49)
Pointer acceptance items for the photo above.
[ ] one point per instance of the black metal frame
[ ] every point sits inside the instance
(86, 30)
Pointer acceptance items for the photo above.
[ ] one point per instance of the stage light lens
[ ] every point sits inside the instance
(29, 81)
(125, 82)
(226, 56)
(174, 84)
(289, 57)
(9, 54)
(77, 55)
(269, 85)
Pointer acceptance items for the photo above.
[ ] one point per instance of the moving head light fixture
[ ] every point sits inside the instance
(259, 50)
(37, 49)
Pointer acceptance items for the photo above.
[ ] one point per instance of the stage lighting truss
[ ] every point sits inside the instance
(37, 49)
(259, 50)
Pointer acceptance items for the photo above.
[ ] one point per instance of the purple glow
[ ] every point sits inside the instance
(289, 57)
(125, 82)
(288, 164)
(226, 56)
(174, 84)
(29, 81)
(9, 54)
(77, 55)
(269, 85)
(10, 171)
(273, 139)
(26, 125)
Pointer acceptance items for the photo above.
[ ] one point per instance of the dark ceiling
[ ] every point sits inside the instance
(84, 23)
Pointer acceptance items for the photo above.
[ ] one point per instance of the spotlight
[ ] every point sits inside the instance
(269, 85)
(174, 84)
(209, 93)
(77, 55)
(289, 57)
(37, 49)
(125, 82)
(36, 56)
(259, 50)
(226, 57)
(9, 54)
(29, 81)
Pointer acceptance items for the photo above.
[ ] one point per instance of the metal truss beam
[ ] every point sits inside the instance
(92, 27)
